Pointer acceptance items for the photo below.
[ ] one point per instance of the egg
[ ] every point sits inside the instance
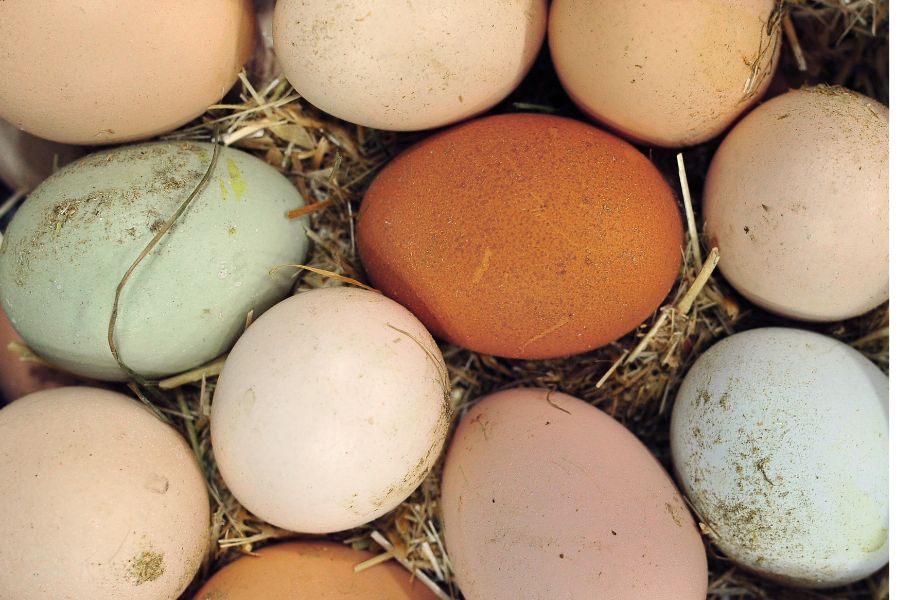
(25, 160)
(780, 441)
(545, 496)
(70, 244)
(330, 410)
(402, 66)
(796, 199)
(523, 235)
(100, 499)
(18, 377)
(112, 71)
(669, 72)
(321, 570)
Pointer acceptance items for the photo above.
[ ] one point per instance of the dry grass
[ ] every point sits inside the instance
(635, 379)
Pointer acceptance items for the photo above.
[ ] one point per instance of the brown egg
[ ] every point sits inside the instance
(111, 71)
(320, 570)
(100, 499)
(523, 235)
(667, 72)
(19, 378)
(546, 497)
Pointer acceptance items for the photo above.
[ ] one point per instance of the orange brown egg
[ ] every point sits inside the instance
(523, 235)
(322, 570)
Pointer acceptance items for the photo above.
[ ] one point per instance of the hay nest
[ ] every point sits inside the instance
(841, 42)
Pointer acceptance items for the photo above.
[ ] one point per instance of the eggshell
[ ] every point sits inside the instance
(780, 440)
(526, 236)
(796, 199)
(25, 160)
(69, 245)
(330, 411)
(103, 71)
(19, 378)
(100, 499)
(320, 570)
(669, 72)
(545, 496)
(401, 65)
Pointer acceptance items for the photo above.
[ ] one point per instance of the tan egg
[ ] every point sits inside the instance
(402, 65)
(669, 72)
(100, 499)
(19, 378)
(796, 199)
(545, 496)
(26, 160)
(314, 570)
(330, 410)
(112, 71)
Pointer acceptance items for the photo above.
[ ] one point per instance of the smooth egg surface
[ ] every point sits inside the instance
(670, 73)
(796, 199)
(100, 499)
(71, 243)
(330, 410)
(780, 441)
(545, 496)
(104, 71)
(401, 65)
(523, 235)
(314, 570)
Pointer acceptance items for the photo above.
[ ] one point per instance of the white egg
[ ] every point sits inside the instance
(780, 441)
(330, 410)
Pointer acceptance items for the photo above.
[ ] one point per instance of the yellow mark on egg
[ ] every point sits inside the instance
(483, 267)
(223, 190)
(238, 184)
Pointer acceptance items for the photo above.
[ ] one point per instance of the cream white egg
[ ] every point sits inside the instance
(780, 441)
(331, 409)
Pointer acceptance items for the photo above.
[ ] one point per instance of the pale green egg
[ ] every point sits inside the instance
(71, 242)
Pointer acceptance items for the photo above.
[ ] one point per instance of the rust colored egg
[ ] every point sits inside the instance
(523, 235)
(321, 570)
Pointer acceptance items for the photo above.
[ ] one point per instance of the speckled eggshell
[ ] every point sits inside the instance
(103, 71)
(314, 570)
(71, 242)
(780, 440)
(796, 199)
(545, 496)
(18, 377)
(330, 410)
(523, 235)
(26, 160)
(100, 499)
(401, 65)
(668, 72)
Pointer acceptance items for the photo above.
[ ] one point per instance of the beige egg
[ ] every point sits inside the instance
(330, 410)
(544, 496)
(669, 72)
(796, 199)
(100, 499)
(26, 160)
(401, 65)
(111, 71)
